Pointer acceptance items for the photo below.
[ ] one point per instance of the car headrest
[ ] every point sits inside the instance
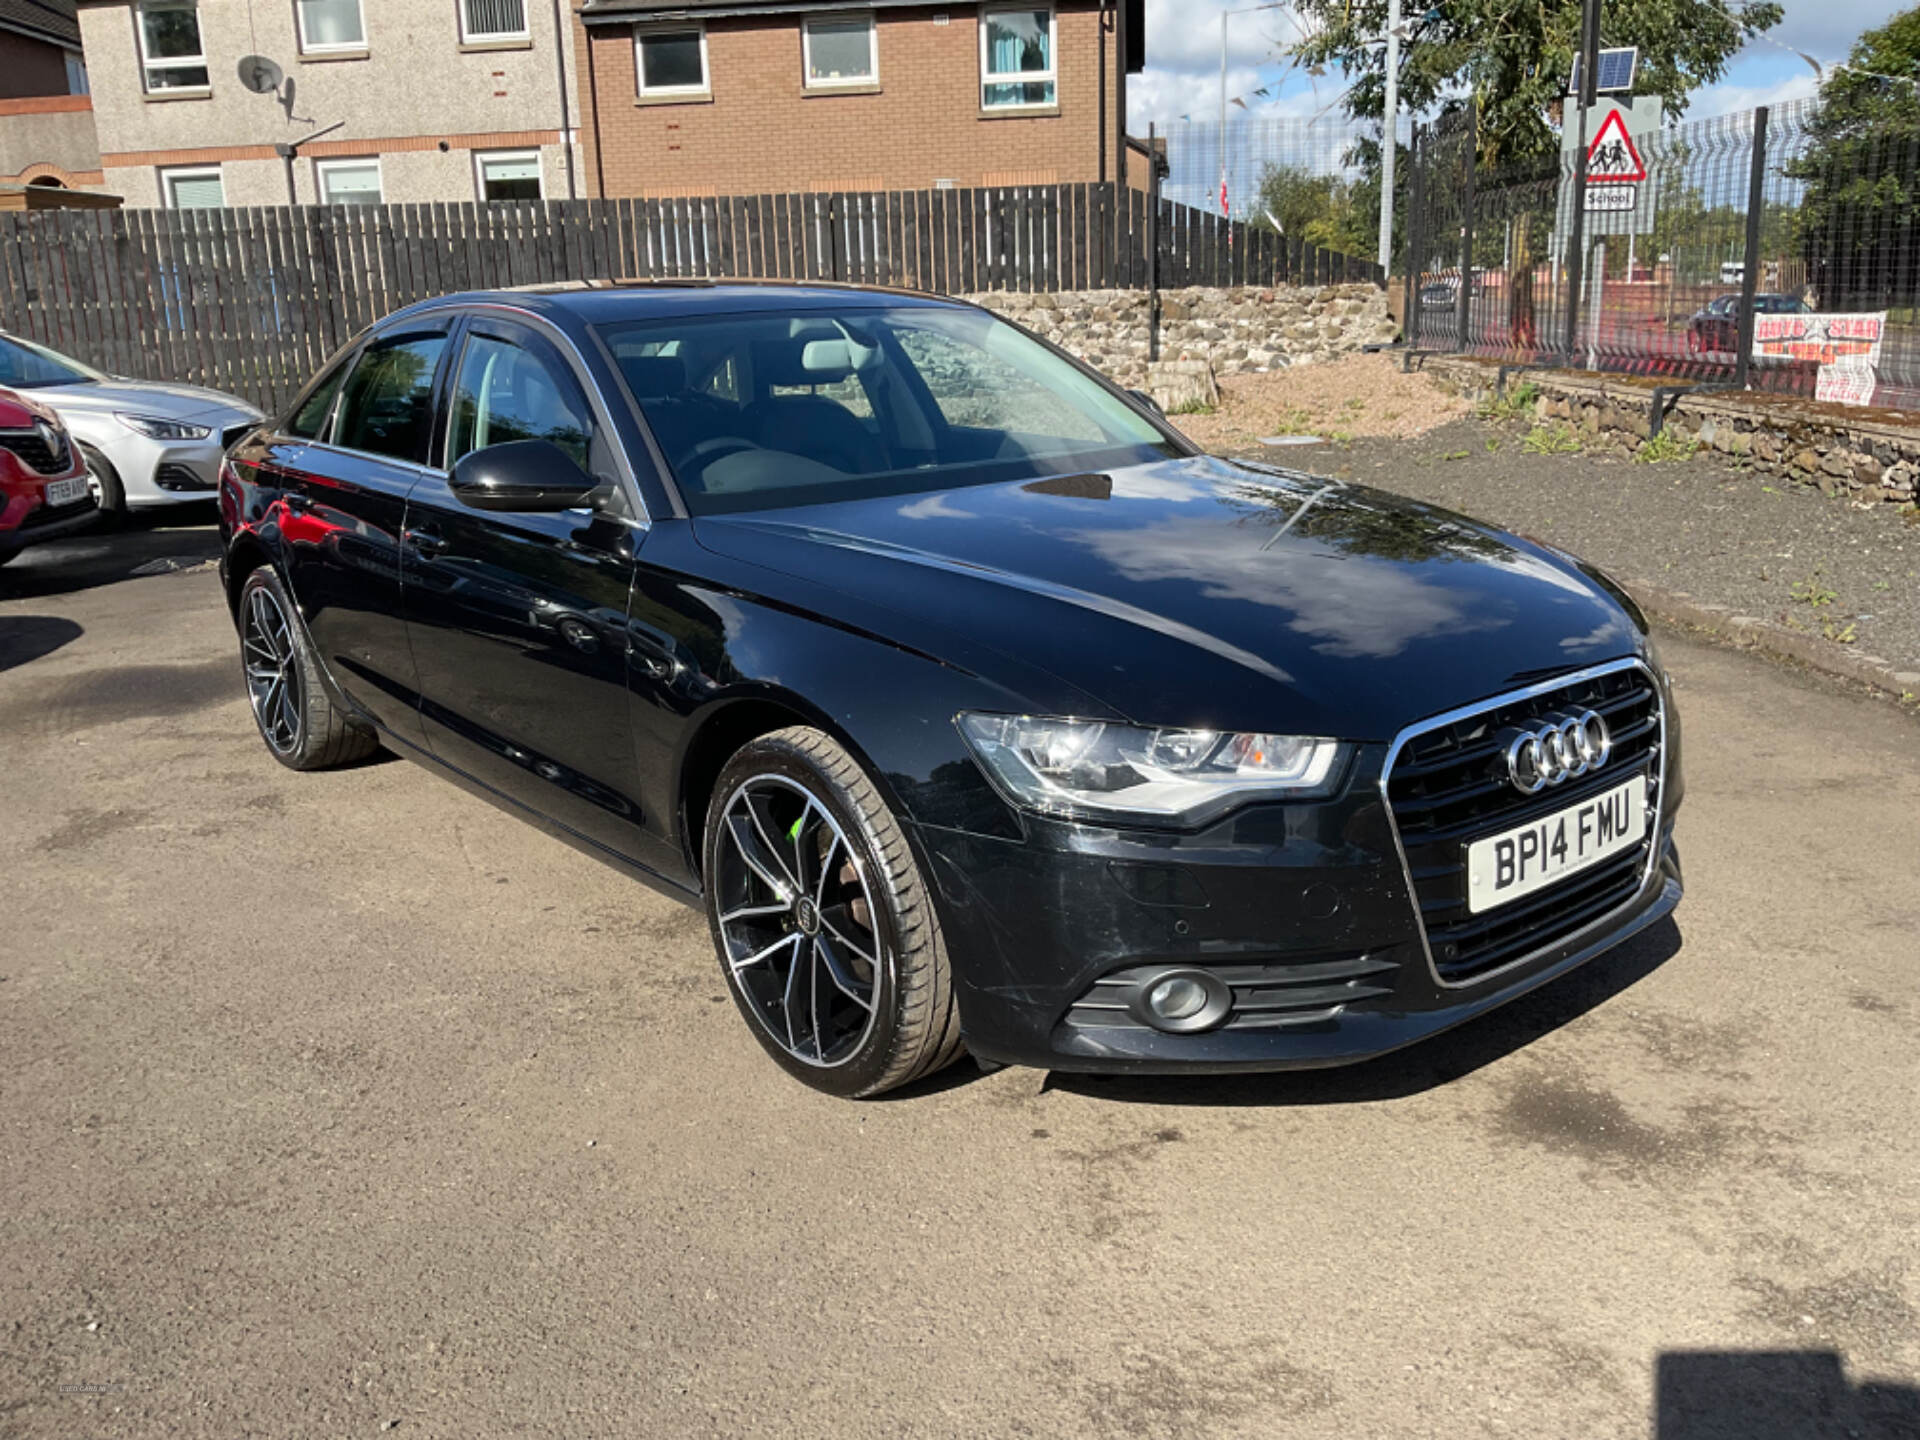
(785, 363)
(654, 377)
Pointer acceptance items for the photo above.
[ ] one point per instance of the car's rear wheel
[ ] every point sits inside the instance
(302, 726)
(826, 932)
(104, 481)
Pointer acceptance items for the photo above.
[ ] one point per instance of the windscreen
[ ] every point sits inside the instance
(26, 366)
(780, 408)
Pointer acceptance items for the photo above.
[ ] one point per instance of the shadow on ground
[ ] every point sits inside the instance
(1425, 1066)
(1775, 1395)
(26, 638)
(177, 538)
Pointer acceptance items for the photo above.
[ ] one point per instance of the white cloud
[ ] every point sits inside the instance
(1183, 51)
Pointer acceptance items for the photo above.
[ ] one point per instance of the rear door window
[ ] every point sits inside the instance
(387, 408)
(310, 419)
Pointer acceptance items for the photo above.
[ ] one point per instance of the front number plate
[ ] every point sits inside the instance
(65, 492)
(1520, 861)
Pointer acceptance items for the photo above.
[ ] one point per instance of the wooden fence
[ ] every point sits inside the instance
(252, 301)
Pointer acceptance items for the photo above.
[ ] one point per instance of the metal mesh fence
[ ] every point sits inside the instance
(1251, 150)
(1806, 263)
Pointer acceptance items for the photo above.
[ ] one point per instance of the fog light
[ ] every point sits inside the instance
(1182, 1002)
(1180, 998)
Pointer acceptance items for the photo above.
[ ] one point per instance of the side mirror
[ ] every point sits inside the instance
(1147, 400)
(525, 475)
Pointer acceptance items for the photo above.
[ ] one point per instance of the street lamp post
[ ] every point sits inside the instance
(1225, 15)
(1390, 135)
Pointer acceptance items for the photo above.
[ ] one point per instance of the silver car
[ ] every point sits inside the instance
(146, 444)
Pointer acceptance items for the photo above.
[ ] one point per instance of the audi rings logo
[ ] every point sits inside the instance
(1563, 748)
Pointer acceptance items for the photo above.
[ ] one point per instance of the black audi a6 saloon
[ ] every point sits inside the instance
(978, 708)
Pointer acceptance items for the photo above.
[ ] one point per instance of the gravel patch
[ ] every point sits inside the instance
(1352, 397)
(1771, 549)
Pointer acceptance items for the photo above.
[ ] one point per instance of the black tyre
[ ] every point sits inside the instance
(300, 723)
(104, 481)
(826, 933)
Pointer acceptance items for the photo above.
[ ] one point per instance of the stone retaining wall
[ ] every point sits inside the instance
(1238, 330)
(1867, 456)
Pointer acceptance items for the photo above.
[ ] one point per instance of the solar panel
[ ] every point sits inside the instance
(1616, 71)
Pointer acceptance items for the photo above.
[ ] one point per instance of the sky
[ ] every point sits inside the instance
(1183, 51)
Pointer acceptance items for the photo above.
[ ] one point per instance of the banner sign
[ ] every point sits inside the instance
(1845, 347)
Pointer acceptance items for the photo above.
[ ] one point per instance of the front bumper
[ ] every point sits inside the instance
(154, 473)
(34, 524)
(1304, 906)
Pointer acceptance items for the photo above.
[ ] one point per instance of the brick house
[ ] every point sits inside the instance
(46, 117)
(705, 97)
(395, 101)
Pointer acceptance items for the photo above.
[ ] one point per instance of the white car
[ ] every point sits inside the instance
(146, 444)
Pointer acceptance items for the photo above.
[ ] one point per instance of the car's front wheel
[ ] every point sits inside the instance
(826, 932)
(108, 493)
(302, 726)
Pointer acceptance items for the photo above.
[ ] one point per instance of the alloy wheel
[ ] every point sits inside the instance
(273, 671)
(797, 921)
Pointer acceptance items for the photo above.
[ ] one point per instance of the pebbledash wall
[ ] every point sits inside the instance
(1865, 456)
(1233, 330)
(412, 89)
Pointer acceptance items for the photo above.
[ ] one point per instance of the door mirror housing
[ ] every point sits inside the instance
(531, 476)
(1147, 400)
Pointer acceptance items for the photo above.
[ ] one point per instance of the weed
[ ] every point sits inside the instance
(1192, 407)
(1551, 440)
(1841, 634)
(1883, 585)
(1664, 447)
(1454, 455)
(1493, 445)
(1511, 406)
(1811, 591)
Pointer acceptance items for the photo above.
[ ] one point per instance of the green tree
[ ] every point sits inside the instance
(1514, 56)
(1861, 166)
(1325, 210)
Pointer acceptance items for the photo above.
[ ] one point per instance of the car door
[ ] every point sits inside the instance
(342, 506)
(518, 621)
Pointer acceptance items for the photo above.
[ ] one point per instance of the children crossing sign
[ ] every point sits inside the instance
(1621, 190)
(1612, 158)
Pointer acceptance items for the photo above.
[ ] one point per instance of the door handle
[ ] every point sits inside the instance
(427, 542)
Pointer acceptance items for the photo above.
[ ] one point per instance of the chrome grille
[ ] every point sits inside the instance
(1447, 786)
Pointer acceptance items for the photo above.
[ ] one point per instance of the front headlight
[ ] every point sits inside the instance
(154, 428)
(1089, 769)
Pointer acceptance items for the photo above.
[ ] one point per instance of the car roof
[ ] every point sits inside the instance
(596, 302)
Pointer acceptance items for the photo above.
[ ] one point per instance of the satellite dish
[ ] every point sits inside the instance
(260, 75)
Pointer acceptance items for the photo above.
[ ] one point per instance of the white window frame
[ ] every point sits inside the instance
(351, 47)
(480, 157)
(872, 77)
(346, 162)
(670, 92)
(172, 173)
(494, 37)
(1051, 75)
(178, 62)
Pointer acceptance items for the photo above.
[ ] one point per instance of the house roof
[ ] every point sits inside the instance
(53, 19)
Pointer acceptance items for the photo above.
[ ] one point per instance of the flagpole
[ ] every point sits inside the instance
(1223, 110)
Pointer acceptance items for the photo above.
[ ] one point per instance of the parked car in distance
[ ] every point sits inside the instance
(145, 444)
(1716, 325)
(43, 484)
(974, 704)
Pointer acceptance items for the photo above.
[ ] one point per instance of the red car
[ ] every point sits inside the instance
(43, 479)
